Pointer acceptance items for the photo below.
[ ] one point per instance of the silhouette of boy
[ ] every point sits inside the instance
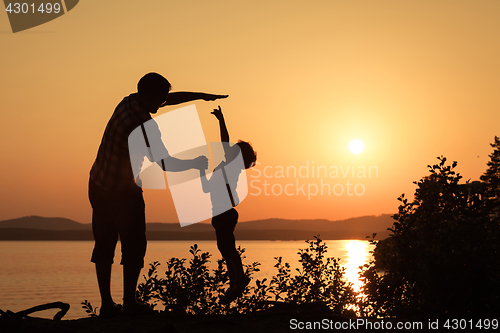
(117, 202)
(222, 184)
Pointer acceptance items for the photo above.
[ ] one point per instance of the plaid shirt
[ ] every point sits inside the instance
(112, 168)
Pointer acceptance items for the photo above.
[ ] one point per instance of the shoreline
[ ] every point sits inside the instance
(279, 318)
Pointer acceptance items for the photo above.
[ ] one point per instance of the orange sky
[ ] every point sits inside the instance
(412, 79)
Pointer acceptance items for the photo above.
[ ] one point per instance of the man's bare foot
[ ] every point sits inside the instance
(136, 308)
(108, 311)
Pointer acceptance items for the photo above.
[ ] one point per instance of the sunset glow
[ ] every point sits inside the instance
(418, 78)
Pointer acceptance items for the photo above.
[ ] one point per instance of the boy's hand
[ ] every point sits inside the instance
(218, 114)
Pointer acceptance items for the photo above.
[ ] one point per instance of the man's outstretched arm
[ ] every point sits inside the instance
(179, 97)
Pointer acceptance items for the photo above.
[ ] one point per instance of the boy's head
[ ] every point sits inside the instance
(153, 90)
(249, 155)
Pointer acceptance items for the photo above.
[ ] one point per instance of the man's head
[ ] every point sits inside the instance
(153, 91)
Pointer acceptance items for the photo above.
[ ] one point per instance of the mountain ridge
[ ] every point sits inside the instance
(57, 228)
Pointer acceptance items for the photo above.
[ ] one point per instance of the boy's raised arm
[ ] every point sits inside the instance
(180, 97)
(224, 134)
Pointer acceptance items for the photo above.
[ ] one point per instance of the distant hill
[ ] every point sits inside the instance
(44, 223)
(45, 228)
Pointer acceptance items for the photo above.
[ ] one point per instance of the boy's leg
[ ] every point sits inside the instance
(240, 280)
(224, 225)
(227, 247)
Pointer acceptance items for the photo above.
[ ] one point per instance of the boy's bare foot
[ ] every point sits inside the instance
(236, 291)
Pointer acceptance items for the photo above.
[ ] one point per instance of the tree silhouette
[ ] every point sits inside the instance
(491, 179)
(442, 257)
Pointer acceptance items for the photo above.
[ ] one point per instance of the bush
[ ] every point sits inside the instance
(319, 279)
(192, 289)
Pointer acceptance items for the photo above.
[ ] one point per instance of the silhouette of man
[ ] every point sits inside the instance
(117, 202)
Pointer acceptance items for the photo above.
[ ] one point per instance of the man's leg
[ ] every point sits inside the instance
(132, 229)
(105, 236)
(103, 271)
(130, 277)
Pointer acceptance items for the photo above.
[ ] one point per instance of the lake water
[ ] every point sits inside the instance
(38, 272)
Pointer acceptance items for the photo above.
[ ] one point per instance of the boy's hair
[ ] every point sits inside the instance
(153, 84)
(249, 155)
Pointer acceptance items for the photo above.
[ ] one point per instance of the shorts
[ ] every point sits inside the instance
(118, 214)
(226, 220)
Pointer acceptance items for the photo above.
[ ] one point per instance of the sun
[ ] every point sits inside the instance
(356, 146)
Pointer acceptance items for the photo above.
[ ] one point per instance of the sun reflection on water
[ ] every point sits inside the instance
(357, 255)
